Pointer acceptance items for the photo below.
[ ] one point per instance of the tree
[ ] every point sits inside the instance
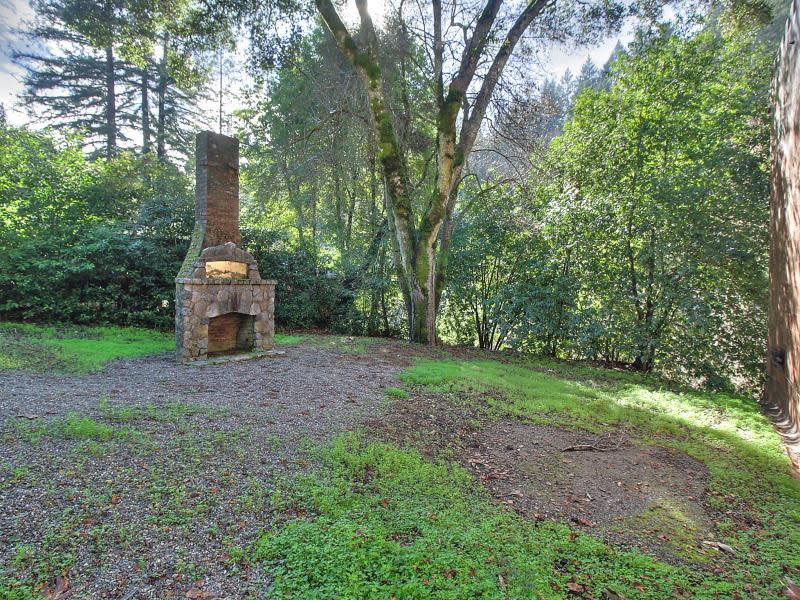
(78, 83)
(312, 171)
(421, 223)
(663, 185)
(491, 253)
(97, 73)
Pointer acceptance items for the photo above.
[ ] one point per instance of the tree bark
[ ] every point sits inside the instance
(145, 110)
(111, 103)
(161, 100)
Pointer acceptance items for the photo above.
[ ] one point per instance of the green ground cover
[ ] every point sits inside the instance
(289, 339)
(76, 349)
(377, 520)
(380, 521)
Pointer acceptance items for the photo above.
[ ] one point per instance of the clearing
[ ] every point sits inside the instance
(356, 467)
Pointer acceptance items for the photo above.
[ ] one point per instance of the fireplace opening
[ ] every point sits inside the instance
(231, 332)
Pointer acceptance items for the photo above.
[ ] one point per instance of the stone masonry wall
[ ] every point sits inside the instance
(782, 394)
(199, 300)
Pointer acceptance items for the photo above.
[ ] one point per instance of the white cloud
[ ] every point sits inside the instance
(13, 13)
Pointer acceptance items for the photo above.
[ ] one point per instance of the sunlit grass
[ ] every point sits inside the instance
(75, 349)
(746, 460)
(600, 405)
(286, 339)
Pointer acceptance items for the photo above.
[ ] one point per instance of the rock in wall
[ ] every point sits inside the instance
(782, 394)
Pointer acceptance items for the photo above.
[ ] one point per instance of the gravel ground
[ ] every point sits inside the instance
(157, 495)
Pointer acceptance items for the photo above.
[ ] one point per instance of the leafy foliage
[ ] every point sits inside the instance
(651, 171)
(625, 249)
(85, 242)
(605, 232)
(388, 523)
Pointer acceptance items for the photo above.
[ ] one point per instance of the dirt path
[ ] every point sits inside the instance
(160, 505)
(608, 486)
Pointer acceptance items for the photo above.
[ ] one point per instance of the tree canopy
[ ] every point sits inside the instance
(420, 174)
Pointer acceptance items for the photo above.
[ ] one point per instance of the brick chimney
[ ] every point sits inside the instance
(221, 303)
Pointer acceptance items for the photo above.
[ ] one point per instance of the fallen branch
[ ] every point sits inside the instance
(583, 448)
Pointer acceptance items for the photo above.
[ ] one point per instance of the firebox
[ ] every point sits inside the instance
(222, 306)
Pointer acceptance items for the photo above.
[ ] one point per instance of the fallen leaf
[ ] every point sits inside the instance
(726, 548)
(502, 579)
(719, 546)
(792, 591)
(60, 589)
(575, 588)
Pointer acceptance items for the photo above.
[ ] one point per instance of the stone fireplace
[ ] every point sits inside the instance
(222, 306)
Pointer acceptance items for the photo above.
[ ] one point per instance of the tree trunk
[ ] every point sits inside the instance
(161, 126)
(111, 104)
(414, 243)
(145, 110)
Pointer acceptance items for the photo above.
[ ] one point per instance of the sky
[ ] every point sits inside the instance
(14, 13)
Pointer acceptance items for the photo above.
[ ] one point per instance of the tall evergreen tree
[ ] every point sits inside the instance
(119, 71)
(73, 75)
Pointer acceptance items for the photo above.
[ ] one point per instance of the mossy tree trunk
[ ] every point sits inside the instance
(417, 242)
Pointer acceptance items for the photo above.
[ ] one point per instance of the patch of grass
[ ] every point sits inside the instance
(93, 436)
(54, 552)
(287, 339)
(81, 427)
(518, 390)
(171, 412)
(171, 505)
(750, 473)
(351, 344)
(75, 349)
(11, 589)
(377, 521)
(255, 497)
(673, 525)
(396, 393)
